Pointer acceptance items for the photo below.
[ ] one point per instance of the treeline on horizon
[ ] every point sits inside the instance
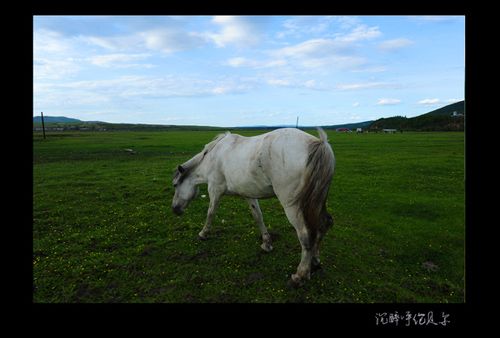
(447, 118)
(420, 123)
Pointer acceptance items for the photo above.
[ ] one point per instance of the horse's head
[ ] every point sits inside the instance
(185, 190)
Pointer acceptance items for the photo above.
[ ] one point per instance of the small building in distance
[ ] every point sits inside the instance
(343, 130)
(388, 130)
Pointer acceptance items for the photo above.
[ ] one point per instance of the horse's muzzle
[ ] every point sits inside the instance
(177, 210)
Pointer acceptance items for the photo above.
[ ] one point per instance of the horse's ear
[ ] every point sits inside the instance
(181, 169)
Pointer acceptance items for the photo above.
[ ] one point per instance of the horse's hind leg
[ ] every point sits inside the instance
(257, 216)
(304, 269)
(327, 222)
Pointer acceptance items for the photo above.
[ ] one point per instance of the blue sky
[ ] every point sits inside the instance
(246, 70)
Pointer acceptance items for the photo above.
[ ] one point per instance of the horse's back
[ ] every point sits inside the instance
(281, 149)
(265, 165)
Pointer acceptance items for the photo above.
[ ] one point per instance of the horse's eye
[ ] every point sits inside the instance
(175, 185)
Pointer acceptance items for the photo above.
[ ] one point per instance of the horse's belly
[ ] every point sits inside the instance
(250, 189)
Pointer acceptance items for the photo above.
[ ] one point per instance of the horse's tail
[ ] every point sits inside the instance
(312, 196)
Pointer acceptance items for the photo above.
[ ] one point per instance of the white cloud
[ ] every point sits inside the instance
(245, 62)
(240, 62)
(113, 43)
(359, 33)
(370, 69)
(388, 101)
(300, 25)
(309, 48)
(56, 96)
(338, 50)
(355, 104)
(278, 82)
(435, 101)
(346, 22)
(119, 60)
(316, 53)
(310, 84)
(231, 86)
(47, 41)
(336, 62)
(171, 40)
(363, 85)
(220, 90)
(54, 56)
(166, 40)
(394, 44)
(54, 69)
(293, 82)
(436, 18)
(57, 56)
(273, 63)
(237, 30)
(118, 92)
(429, 102)
(432, 18)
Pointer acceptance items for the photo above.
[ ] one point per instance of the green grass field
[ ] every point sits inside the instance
(103, 230)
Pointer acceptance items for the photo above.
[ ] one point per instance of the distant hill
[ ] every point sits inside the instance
(55, 119)
(61, 123)
(437, 120)
(441, 119)
(260, 127)
(459, 107)
(363, 125)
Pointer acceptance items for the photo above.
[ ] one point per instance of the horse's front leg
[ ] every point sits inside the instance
(214, 203)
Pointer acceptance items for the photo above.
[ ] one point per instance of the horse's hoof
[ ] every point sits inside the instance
(266, 247)
(202, 238)
(295, 282)
(316, 268)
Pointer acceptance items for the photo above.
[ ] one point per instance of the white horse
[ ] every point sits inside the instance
(287, 163)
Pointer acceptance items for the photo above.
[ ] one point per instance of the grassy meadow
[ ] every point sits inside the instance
(103, 230)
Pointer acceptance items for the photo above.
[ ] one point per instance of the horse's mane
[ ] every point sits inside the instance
(211, 145)
(196, 160)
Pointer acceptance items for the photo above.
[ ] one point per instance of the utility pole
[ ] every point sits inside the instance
(297, 123)
(43, 127)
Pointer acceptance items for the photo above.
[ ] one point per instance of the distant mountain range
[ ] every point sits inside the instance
(54, 119)
(458, 107)
(363, 125)
(447, 118)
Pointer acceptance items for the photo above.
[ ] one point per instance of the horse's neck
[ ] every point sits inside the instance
(200, 171)
(202, 163)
